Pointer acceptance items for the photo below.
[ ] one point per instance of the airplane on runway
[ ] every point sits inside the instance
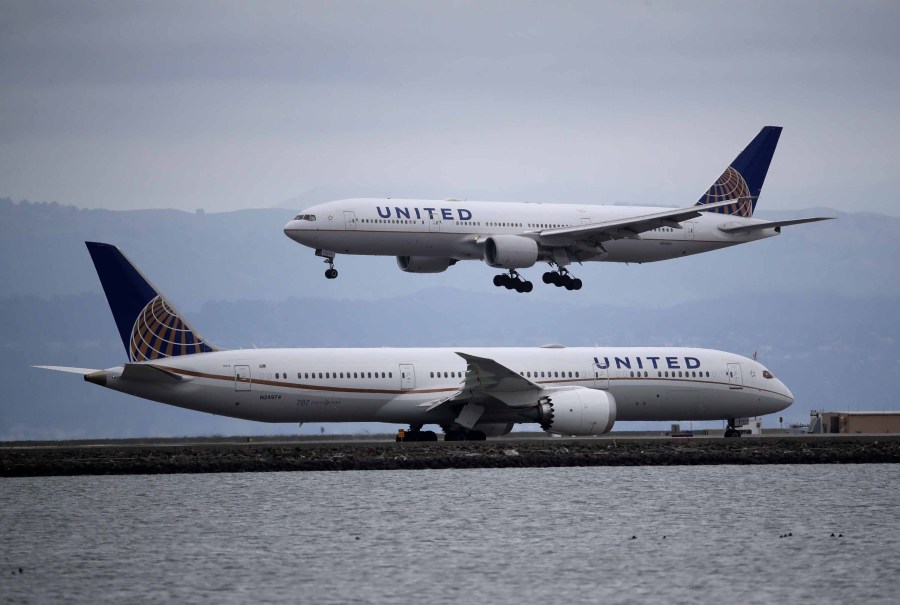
(469, 392)
(428, 236)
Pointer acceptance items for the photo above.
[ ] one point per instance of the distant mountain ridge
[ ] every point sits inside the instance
(245, 255)
(818, 303)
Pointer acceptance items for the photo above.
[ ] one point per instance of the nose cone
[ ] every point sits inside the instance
(787, 393)
(298, 231)
(781, 397)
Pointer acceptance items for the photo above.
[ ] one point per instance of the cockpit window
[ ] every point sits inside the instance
(305, 217)
(767, 374)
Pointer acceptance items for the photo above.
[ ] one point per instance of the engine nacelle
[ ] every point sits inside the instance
(424, 264)
(510, 251)
(579, 411)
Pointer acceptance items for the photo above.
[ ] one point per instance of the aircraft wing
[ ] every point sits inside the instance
(738, 228)
(628, 228)
(483, 374)
(488, 378)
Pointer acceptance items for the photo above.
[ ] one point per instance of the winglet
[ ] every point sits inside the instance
(742, 181)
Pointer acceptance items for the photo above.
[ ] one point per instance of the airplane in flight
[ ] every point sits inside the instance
(471, 393)
(428, 236)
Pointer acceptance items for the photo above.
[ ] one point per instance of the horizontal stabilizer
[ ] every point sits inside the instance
(82, 371)
(149, 373)
(738, 228)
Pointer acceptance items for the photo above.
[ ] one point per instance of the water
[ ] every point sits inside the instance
(490, 535)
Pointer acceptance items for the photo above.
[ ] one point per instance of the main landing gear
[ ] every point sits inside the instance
(328, 255)
(513, 281)
(415, 433)
(730, 431)
(562, 279)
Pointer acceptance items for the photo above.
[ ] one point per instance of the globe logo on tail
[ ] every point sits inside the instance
(730, 186)
(159, 332)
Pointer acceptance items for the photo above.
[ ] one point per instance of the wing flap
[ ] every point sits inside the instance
(738, 228)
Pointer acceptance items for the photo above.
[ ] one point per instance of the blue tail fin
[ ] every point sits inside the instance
(742, 181)
(149, 326)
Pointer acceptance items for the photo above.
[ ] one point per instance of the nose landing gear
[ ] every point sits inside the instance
(730, 430)
(562, 279)
(328, 255)
(513, 281)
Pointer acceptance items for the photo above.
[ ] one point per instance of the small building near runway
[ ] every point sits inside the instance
(854, 422)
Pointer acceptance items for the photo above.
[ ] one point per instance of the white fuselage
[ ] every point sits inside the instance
(396, 385)
(457, 230)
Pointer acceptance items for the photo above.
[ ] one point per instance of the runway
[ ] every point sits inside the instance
(236, 454)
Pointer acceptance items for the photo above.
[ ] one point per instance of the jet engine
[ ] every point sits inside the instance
(578, 411)
(510, 251)
(424, 264)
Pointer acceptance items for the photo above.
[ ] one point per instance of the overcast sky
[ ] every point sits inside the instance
(225, 106)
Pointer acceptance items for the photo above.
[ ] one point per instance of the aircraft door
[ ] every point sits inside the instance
(434, 224)
(601, 376)
(688, 230)
(735, 380)
(242, 379)
(349, 220)
(407, 376)
(585, 220)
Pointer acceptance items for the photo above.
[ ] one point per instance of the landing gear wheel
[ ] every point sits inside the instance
(513, 281)
(562, 279)
(331, 272)
(475, 436)
(416, 435)
(730, 431)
